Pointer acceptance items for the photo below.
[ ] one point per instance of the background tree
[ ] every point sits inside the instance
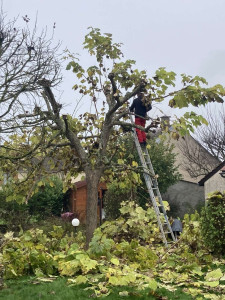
(213, 223)
(89, 142)
(197, 160)
(26, 57)
(212, 137)
(203, 152)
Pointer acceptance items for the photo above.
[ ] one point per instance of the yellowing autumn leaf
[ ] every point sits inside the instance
(153, 285)
(214, 275)
(134, 164)
(211, 283)
(115, 261)
(81, 279)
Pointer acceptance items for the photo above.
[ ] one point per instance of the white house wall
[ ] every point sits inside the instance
(184, 198)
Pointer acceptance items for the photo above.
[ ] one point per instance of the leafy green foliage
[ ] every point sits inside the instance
(47, 203)
(113, 199)
(48, 200)
(163, 160)
(192, 235)
(12, 214)
(134, 223)
(34, 252)
(213, 223)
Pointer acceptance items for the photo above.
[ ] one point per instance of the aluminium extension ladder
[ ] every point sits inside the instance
(153, 190)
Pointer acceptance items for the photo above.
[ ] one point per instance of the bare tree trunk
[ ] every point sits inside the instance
(92, 179)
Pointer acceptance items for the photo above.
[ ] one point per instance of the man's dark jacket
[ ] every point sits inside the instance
(139, 107)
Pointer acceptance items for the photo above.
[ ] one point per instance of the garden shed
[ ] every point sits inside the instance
(78, 200)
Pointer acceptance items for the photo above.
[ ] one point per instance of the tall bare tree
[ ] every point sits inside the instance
(197, 160)
(203, 152)
(212, 136)
(26, 57)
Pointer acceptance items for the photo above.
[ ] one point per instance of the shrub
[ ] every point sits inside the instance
(213, 223)
(113, 199)
(12, 214)
(48, 200)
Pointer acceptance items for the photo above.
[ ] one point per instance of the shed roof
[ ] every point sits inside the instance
(82, 183)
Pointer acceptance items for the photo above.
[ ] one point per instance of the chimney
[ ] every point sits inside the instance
(165, 122)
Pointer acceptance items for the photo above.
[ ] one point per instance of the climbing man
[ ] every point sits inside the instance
(140, 110)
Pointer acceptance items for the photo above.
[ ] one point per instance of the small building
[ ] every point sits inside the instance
(78, 200)
(214, 180)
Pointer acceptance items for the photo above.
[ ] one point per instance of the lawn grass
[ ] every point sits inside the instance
(24, 289)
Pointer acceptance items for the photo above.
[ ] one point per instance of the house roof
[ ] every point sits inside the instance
(210, 174)
(193, 147)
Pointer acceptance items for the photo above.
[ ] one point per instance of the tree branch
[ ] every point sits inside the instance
(72, 137)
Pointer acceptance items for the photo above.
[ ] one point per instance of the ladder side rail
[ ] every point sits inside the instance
(167, 223)
(155, 184)
(155, 206)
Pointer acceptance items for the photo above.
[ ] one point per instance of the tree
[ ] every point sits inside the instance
(89, 142)
(212, 137)
(26, 57)
(197, 160)
(213, 223)
(203, 152)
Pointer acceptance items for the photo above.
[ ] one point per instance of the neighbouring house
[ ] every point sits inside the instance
(193, 162)
(78, 200)
(214, 180)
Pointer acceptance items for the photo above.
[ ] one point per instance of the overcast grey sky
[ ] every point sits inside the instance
(186, 36)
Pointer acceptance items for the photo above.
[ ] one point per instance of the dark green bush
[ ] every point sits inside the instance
(45, 204)
(48, 200)
(12, 214)
(112, 200)
(213, 223)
